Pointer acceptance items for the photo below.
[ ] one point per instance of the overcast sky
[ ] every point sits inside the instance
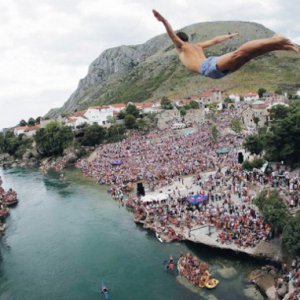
(46, 46)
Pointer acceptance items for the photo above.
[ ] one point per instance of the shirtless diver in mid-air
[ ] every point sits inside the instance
(193, 58)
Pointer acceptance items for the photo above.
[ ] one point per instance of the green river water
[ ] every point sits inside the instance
(65, 237)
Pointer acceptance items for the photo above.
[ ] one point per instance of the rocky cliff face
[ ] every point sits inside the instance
(112, 62)
(151, 70)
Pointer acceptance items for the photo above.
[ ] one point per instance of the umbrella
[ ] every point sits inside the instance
(222, 150)
(197, 198)
(116, 162)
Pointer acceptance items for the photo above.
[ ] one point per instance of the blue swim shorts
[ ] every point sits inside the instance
(209, 68)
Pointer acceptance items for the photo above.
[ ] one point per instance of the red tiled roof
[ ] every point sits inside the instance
(69, 121)
(78, 114)
(95, 107)
(99, 107)
(250, 94)
(20, 127)
(144, 104)
(28, 128)
(31, 128)
(185, 101)
(118, 105)
(208, 92)
(260, 106)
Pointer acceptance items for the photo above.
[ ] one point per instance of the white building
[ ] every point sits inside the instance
(234, 98)
(28, 131)
(251, 97)
(76, 119)
(93, 115)
(19, 130)
(210, 96)
(118, 107)
(148, 107)
(98, 114)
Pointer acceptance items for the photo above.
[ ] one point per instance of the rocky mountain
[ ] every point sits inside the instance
(152, 70)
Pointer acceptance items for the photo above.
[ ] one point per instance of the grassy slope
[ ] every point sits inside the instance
(162, 74)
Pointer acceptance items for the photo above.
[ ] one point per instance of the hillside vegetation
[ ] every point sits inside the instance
(152, 70)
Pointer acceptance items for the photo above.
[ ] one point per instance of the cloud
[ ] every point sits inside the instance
(46, 46)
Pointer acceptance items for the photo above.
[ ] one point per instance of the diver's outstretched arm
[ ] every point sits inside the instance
(217, 40)
(175, 39)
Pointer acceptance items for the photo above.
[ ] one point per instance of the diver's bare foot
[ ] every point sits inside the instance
(285, 44)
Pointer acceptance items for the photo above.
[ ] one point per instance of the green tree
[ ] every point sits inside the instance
(278, 112)
(166, 103)
(254, 144)
(2, 142)
(142, 125)
(182, 111)
(23, 145)
(130, 121)
(213, 109)
(53, 139)
(194, 105)
(282, 141)
(214, 133)
(152, 119)
(236, 125)
(111, 119)
(14, 145)
(273, 210)
(115, 133)
(23, 123)
(256, 163)
(121, 115)
(132, 110)
(228, 100)
(11, 142)
(261, 92)
(291, 235)
(31, 122)
(93, 135)
(255, 120)
(278, 91)
(38, 120)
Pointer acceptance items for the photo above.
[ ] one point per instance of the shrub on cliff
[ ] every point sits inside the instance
(53, 139)
(93, 135)
(273, 209)
(291, 235)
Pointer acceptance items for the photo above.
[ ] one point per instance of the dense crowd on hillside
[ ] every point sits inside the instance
(234, 216)
(164, 157)
(246, 183)
(160, 156)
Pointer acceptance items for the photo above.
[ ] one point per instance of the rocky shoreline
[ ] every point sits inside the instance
(32, 159)
(7, 199)
(204, 234)
(29, 160)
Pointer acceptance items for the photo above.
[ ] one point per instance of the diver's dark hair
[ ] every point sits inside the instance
(183, 36)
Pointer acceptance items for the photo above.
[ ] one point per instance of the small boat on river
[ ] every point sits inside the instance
(159, 237)
(211, 283)
(196, 271)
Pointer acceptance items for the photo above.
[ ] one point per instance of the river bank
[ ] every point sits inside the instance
(207, 233)
(32, 159)
(69, 236)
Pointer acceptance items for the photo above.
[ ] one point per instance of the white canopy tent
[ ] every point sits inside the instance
(151, 198)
